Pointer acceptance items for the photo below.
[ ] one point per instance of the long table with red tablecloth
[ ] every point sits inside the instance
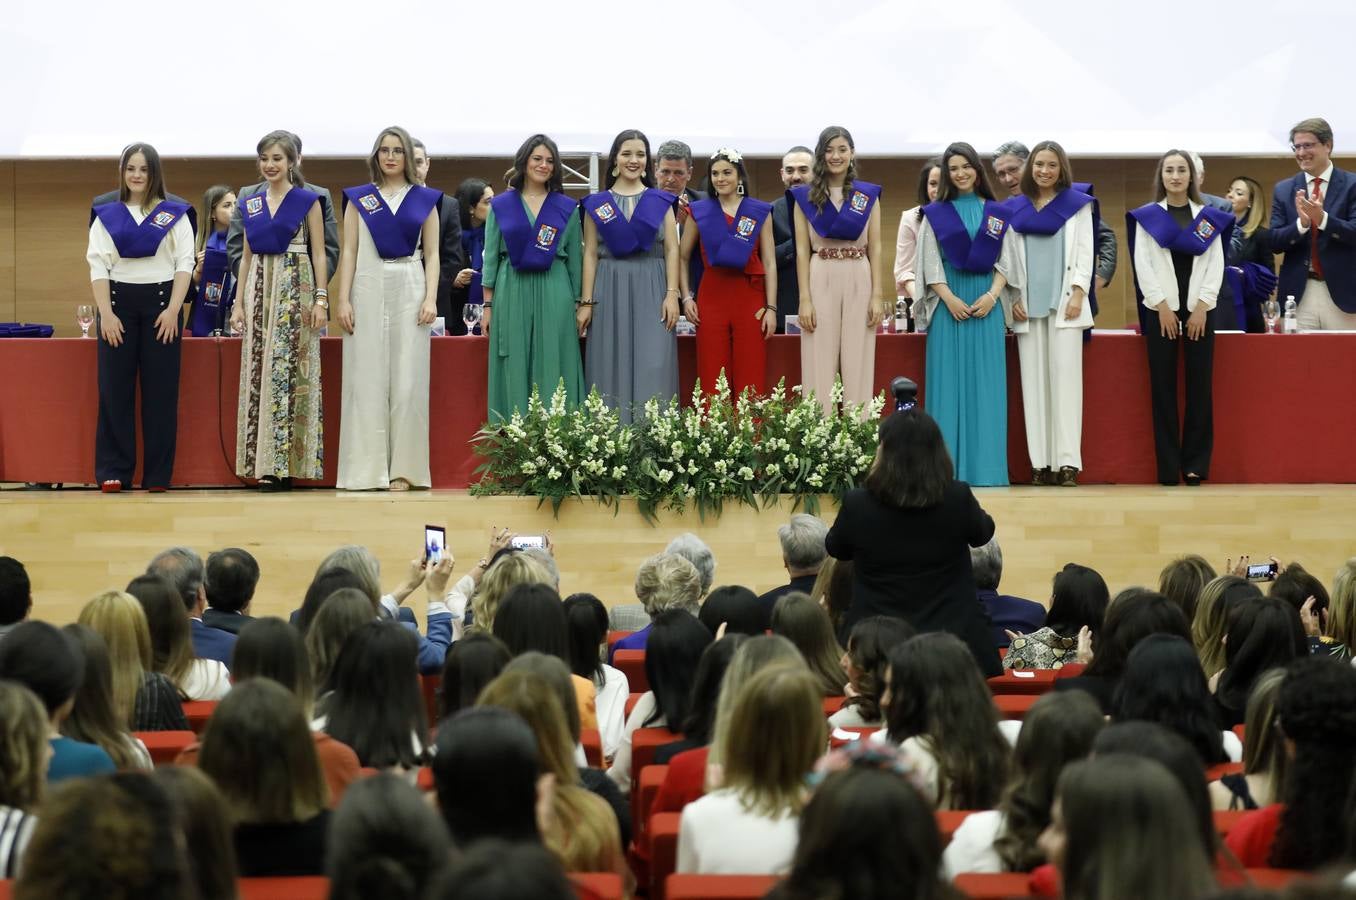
(1285, 406)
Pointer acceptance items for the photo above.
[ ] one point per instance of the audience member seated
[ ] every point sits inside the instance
(1135, 614)
(694, 550)
(865, 662)
(509, 569)
(112, 837)
(1340, 634)
(232, 576)
(586, 627)
(144, 699)
(497, 870)
(1264, 756)
(531, 617)
(185, 572)
(700, 724)
(1263, 633)
(806, 624)
(1059, 730)
(472, 663)
(24, 730)
(1182, 581)
(663, 582)
(676, 643)
(93, 718)
(203, 823)
(1211, 622)
(1317, 713)
(324, 585)
(488, 776)
(259, 751)
(583, 832)
(737, 608)
(940, 712)
(48, 663)
(340, 614)
(1078, 600)
(1149, 847)
(1006, 613)
(866, 833)
(747, 823)
(1163, 683)
(385, 841)
(171, 645)
(803, 555)
(16, 594)
(833, 588)
(372, 702)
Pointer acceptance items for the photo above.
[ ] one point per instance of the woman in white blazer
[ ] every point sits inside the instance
(906, 244)
(1057, 245)
(1179, 263)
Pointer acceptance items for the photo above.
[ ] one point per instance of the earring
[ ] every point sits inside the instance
(615, 171)
(740, 190)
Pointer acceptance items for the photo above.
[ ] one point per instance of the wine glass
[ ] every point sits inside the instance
(1271, 312)
(471, 314)
(84, 317)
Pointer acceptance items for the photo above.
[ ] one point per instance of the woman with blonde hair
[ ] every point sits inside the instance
(748, 823)
(1341, 628)
(1251, 248)
(1212, 620)
(583, 832)
(1264, 756)
(143, 698)
(509, 570)
(213, 286)
(23, 770)
(806, 624)
(92, 719)
(668, 580)
(172, 642)
(1182, 579)
(344, 612)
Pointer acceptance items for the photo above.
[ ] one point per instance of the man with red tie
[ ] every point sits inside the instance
(1313, 222)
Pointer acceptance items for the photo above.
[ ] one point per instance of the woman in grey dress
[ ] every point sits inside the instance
(629, 305)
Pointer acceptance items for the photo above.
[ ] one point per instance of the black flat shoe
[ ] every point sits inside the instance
(1192, 479)
(270, 485)
(1068, 476)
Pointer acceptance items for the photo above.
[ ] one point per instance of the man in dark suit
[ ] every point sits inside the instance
(451, 256)
(235, 235)
(232, 575)
(1313, 222)
(803, 555)
(183, 569)
(796, 167)
(1005, 613)
(673, 171)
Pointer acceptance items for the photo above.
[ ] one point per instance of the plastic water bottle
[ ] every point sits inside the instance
(685, 327)
(1289, 321)
(902, 324)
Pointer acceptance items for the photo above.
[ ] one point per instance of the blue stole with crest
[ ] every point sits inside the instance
(977, 254)
(1026, 219)
(133, 240)
(625, 237)
(532, 247)
(395, 234)
(730, 244)
(212, 304)
(270, 233)
(1195, 239)
(843, 223)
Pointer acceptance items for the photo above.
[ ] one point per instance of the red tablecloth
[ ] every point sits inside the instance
(1285, 407)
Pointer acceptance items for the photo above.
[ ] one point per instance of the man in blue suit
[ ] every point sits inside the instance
(184, 569)
(1313, 222)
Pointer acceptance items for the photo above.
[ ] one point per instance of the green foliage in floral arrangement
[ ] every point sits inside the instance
(718, 449)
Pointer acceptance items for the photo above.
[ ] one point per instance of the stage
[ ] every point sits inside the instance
(76, 543)
(1285, 408)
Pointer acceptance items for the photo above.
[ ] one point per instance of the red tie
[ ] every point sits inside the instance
(1315, 265)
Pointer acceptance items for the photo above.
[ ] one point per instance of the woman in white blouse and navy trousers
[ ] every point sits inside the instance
(141, 259)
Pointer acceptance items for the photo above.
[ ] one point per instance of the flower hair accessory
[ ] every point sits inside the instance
(865, 754)
(729, 153)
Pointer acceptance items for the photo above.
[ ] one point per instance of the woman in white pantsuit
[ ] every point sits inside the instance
(387, 299)
(1055, 224)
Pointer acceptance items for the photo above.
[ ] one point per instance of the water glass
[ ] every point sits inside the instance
(1271, 313)
(84, 317)
(471, 314)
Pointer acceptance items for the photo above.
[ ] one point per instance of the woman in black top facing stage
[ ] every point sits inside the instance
(909, 531)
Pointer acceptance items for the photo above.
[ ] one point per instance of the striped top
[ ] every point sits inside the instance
(16, 827)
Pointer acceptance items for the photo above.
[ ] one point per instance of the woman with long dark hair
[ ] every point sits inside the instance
(906, 244)
(586, 622)
(473, 206)
(1078, 602)
(908, 531)
(1263, 633)
(1163, 683)
(373, 702)
(532, 267)
(629, 304)
(865, 661)
(806, 624)
(385, 841)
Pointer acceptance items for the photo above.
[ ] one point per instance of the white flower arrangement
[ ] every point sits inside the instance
(749, 449)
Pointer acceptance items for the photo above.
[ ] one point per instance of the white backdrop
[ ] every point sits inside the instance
(85, 77)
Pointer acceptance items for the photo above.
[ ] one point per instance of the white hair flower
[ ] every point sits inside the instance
(729, 153)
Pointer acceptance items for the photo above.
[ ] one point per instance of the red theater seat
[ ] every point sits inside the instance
(632, 665)
(833, 704)
(719, 887)
(593, 746)
(597, 885)
(993, 887)
(1014, 706)
(303, 888)
(198, 712)
(1023, 681)
(164, 746)
(663, 850)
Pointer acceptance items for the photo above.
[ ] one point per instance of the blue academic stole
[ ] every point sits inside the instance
(214, 294)
(395, 235)
(532, 247)
(133, 240)
(977, 254)
(1026, 219)
(730, 244)
(473, 243)
(271, 233)
(625, 237)
(1195, 239)
(843, 223)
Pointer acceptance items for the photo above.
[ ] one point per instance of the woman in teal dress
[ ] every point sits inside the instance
(531, 282)
(968, 259)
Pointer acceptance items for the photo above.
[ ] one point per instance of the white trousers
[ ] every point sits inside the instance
(1317, 312)
(1052, 393)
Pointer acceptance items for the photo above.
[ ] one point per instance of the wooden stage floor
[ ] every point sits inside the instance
(76, 543)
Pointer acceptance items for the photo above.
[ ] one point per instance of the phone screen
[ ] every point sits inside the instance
(524, 541)
(435, 542)
(1262, 571)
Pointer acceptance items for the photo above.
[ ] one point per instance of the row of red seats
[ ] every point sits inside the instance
(587, 885)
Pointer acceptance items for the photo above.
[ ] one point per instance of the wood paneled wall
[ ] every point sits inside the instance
(44, 207)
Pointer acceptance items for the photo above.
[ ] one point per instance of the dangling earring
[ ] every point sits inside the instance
(615, 171)
(740, 190)
(291, 174)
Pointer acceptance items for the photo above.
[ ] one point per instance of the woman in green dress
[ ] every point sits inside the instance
(532, 269)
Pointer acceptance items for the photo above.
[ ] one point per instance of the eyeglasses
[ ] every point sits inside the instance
(1307, 145)
(391, 151)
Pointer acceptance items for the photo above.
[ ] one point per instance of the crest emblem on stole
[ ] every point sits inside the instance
(745, 226)
(370, 202)
(546, 236)
(1204, 230)
(606, 213)
(993, 226)
(254, 205)
(859, 201)
(163, 219)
